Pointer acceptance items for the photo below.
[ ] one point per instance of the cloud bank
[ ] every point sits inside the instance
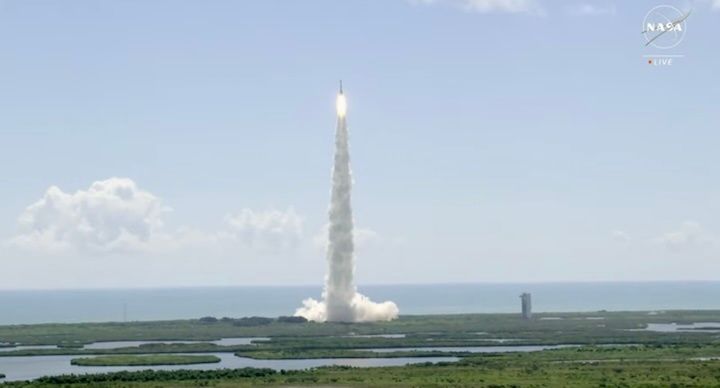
(487, 6)
(620, 236)
(690, 235)
(587, 9)
(116, 216)
(267, 230)
(111, 215)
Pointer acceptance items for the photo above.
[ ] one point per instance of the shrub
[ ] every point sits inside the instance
(157, 375)
(252, 321)
(285, 319)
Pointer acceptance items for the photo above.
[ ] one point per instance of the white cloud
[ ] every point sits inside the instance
(714, 4)
(690, 234)
(266, 230)
(112, 215)
(486, 6)
(592, 9)
(620, 236)
(116, 216)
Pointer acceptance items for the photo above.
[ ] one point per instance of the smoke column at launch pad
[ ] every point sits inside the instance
(341, 301)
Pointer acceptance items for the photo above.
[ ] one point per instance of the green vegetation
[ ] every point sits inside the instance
(546, 368)
(596, 327)
(151, 376)
(610, 349)
(145, 360)
(153, 348)
(294, 338)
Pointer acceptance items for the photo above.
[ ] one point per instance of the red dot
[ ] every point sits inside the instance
(650, 61)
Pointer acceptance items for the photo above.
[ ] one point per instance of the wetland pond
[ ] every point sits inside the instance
(127, 344)
(471, 349)
(696, 327)
(32, 367)
(28, 368)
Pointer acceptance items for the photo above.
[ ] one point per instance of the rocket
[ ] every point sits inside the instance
(341, 103)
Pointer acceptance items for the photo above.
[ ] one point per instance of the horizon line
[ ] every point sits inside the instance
(298, 285)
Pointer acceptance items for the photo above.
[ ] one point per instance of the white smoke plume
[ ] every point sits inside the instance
(341, 301)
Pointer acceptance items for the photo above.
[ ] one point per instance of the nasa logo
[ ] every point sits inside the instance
(664, 27)
(651, 27)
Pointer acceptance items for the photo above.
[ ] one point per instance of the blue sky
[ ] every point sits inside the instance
(491, 140)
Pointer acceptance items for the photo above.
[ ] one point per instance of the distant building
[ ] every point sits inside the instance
(526, 300)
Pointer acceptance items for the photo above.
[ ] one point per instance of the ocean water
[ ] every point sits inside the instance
(19, 307)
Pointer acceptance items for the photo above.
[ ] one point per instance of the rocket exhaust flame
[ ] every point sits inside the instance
(341, 301)
(341, 105)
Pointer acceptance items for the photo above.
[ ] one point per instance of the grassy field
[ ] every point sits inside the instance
(419, 331)
(598, 352)
(134, 360)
